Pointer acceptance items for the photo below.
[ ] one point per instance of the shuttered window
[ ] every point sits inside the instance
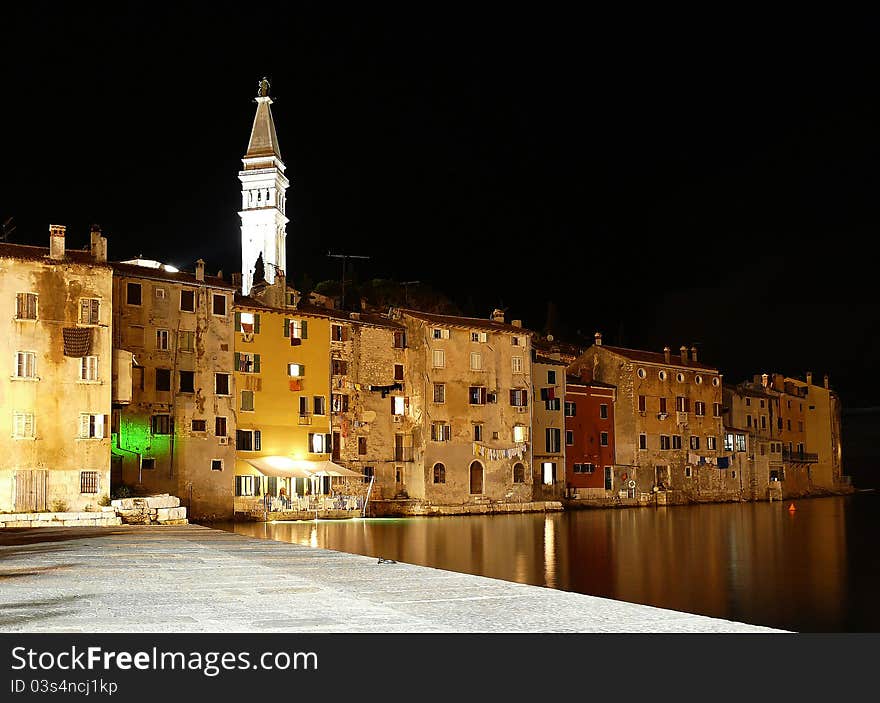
(89, 311)
(26, 306)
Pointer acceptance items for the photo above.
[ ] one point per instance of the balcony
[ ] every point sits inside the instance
(795, 457)
(403, 453)
(305, 419)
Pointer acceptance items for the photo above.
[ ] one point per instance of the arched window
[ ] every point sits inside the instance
(519, 473)
(476, 478)
(439, 473)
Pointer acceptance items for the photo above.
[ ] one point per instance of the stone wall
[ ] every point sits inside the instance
(150, 510)
(106, 517)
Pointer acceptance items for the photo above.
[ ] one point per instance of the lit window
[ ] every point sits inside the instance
(296, 370)
(91, 426)
(320, 443)
(740, 442)
(520, 433)
(728, 442)
(398, 405)
(548, 473)
(441, 432)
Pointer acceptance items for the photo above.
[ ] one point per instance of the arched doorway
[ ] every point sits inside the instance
(476, 478)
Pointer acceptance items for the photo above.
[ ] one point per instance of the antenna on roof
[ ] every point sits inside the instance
(344, 257)
(6, 229)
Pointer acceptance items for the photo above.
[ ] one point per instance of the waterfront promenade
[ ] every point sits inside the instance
(190, 578)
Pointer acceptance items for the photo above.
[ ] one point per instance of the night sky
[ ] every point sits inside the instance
(666, 179)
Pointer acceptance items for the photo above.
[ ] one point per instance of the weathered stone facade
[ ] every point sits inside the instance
(172, 426)
(56, 309)
(548, 420)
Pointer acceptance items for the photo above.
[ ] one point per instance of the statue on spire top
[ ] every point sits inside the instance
(263, 89)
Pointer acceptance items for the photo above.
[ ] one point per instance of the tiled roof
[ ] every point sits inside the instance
(466, 322)
(184, 277)
(318, 311)
(658, 358)
(32, 253)
(539, 359)
(577, 381)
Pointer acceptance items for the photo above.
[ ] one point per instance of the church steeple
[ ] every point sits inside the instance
(263, 197)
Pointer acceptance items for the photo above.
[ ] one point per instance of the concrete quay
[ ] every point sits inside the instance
(188, 578)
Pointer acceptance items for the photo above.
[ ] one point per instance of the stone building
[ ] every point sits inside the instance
(468, 382)
(589, 440)
(548, 422)
(372, 427)
(55, 384)
(173, 409)
(667, 422)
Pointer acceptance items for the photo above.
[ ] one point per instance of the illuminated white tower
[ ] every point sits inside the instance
(263, 197)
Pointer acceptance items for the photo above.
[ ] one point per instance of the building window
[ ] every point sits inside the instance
(221, 384)
(603, 411)
(716, 409)
(362, 445)
(728, 442)
(91, 426)
(319, 405)
(199, 425)
(569, 438)
(699, 408)
(220, 426)
(477, 395)
(148, 463)
(682, 404)
(662, 406)
(247, 401)
(476, 361)
(338, 333)
(740, 442)
(643, 404)
(438, 358)
(662, 375)
(439, 392)
(161, 340)
(710, 442)
(88, 481)
(322, 444)
(570, 408)
(520, 434)
(716, 381)
(26, 306)
(159, 293)
(304, 406)
(398, 405)
(643, 441)
(89, 311)
(519, 473)
(584, 468)
(296, 370)
(664, 442)
(748, 402)
(25, 365)
(552, 404)
(478, 433)
(188, 300)
(687, 471)
(247, 363)
(216, 464)
(160, 424)
(763, 422)
(800, 425)
(248, 440)
(438, 333)
(400, 340)
(676, 441)
(603, 439)
(789, 424)
(695, 442)
(186, 341)
(23, 425)
(733, 474)
(548, 473)
(441, 432)
(551, 377)
(479, 336)
(398, 372)
(516, 364)
(296, 329)
(698, 379)
(133, 293)
(679, 377)
(552, 439)
(163, 379)
(519, 397)
(439, 473)
(187, 381)
(244, 485)
(339, 402)
(219, 304)
(369, 473)
(642, 373)
(88, 368)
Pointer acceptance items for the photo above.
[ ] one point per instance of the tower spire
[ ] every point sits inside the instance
(263, 196)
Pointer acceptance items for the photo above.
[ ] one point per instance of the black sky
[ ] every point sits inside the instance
(666, 179)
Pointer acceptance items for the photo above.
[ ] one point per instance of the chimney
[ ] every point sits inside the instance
(598, 338)
(236, 280)
(666, 352)
(56, 241)
(693, 354)
(827, 387)
(809, 378)
(98, 244)
(220, 274)
(200, 270)
(516, 323)
(764, 379)
(684, 354)
(498, 315)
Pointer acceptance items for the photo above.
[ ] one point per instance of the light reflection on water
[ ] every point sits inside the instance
(816, 569)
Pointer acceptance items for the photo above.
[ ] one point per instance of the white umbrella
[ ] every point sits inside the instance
(282, 466)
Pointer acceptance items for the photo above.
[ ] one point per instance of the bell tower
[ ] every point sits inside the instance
(263, 197)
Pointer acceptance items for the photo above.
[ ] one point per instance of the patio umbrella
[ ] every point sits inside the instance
(282, 466)
(328, 468)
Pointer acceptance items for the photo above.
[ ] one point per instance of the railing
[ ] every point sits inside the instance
(403, 453)
(800, 457)
(305, 419)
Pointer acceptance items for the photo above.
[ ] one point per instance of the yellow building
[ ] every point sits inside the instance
(55, 307)
(282, 385)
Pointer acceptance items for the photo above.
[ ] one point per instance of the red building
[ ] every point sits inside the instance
(589, 435)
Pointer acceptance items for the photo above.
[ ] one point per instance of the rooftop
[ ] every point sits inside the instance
(32, 253)
(161, 274)
(464, 322)
(658, 358)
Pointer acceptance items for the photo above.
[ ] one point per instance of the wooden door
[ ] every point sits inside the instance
(476, 478)
(30, 490)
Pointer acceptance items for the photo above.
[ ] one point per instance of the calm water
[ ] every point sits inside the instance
(816, 569)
